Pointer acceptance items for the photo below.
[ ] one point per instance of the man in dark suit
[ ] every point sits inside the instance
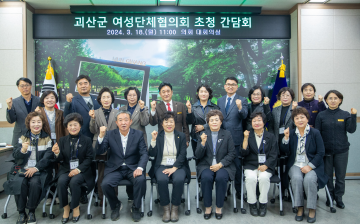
(82, 103)
(235, 109)
(20, 107)
(127, 159)
(157, 111)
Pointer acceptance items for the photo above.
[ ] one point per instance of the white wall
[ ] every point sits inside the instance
(330, 48)
(11, 53)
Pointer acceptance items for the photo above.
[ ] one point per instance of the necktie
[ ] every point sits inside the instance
(227, 105)
(89, 105)
(169, 108)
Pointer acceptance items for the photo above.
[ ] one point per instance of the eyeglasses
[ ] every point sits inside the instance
(25, 86)
(132, 96)
(256, 94)
(231, 85)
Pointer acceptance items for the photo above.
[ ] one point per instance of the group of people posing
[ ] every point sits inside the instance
(312, 138)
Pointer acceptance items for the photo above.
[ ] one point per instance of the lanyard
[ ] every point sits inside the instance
(167, 147)
(73, 147)
(262, 144)
(285, 117)
(214, 147)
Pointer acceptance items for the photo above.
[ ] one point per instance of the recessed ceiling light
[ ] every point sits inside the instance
(167, 0)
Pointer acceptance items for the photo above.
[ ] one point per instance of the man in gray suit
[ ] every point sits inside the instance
(20, 107)
(235, 109)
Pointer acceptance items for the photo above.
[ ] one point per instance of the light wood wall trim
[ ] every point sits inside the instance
(5, 124)
(352, 174)
(274, 12)
(11, 4)
(295, 7)
(52, 11)
(299, 78)
(329, 6)
(30, 8)
(358, 119)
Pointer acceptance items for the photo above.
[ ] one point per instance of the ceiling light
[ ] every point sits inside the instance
(167, 0)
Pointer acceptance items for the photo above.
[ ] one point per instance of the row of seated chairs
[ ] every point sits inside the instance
(275, 179)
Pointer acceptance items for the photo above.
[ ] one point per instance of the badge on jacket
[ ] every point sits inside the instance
(179, 112)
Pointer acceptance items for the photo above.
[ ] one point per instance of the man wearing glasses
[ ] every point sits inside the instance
(20, 107)
(234, 109)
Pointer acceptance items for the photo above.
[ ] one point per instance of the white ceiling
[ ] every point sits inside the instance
(266, 4)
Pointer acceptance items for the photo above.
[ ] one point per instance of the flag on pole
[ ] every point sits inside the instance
(49, 82)
(280, 82)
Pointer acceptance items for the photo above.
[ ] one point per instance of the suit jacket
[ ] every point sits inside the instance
(100, 121)
(60, 129)
(181, 159)
(274, 123)
(85, 156)
(269, 148)
(197, 117)
(139, 119)
(180, 123)
(17, 114)
(314, 108)
(225, 153)
(78, 105)
(136, 154)
(315, 151)
(234, 118)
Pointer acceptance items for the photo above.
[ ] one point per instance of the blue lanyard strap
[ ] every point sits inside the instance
(73, 148)
(262, 142)
(285, 116)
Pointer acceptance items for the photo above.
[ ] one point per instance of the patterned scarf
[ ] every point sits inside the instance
(301, 146)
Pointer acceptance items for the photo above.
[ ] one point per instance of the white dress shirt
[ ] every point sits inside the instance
(171, 106)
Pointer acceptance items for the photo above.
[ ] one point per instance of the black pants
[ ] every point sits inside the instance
(238, 174)
(284, 174)
(178, 178)
(221, 177)
(112, 180)
(337, 162)
(74, 183)
(30, 194)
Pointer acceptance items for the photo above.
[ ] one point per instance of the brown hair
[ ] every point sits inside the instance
(300, 110)
(214, 113)
(31, 115)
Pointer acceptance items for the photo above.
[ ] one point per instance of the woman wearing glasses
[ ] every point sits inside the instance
(259, 103)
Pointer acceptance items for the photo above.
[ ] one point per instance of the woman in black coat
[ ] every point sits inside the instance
(76, 154)
(169, 150)
(216, 154)
(305, 166)
(31, 173)
(259, 103)
(196, 114)
(334, 125)
(260, 151)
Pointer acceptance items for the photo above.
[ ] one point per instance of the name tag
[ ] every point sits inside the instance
(179, 112)
(262, 158)
(170, 162)
(341, 120)
(31, 163)
(300, 158)
(74, 164)
(53, 135)
(314, 112)
(281, 130)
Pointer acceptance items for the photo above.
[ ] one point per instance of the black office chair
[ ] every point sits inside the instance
(275, 179)
(4, 215)
(89, 215)
(332, 209)
(154, 183)
(198, 196)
